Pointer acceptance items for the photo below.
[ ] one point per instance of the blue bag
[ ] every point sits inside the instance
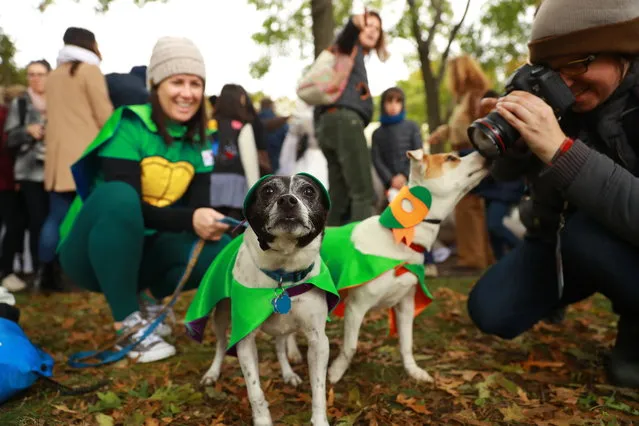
(21, 363)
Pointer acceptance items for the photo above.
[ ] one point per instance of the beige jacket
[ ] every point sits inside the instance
(77, 108)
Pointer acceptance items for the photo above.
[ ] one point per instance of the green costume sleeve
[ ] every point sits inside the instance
(125, 143)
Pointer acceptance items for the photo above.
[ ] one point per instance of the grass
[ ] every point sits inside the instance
(552, 375)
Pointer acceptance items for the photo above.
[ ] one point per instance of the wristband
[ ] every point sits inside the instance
(563, 148)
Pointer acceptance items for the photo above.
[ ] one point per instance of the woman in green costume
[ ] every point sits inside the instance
(143, 197)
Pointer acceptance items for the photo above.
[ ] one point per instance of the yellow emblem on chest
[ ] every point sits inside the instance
(163, 182)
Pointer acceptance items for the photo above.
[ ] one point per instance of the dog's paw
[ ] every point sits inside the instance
(210, 378)
(336, 371)
(262, 421)
(292, 379)
(420, 375)
(320, 421)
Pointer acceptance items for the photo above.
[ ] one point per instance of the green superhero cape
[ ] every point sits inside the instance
(86, 171)
(351, 268)
(250, 307)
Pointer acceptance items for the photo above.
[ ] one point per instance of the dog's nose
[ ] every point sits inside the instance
(287, 201)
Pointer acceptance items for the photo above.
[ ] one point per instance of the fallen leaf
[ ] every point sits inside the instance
(512, 413)
(412, 404)
(104, 420)
(566, 396)
(331, 397)
(64, 408)
(467, 375)
(68, 323)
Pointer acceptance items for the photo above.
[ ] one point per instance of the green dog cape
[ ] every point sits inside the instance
(351, 268)
(250, 307)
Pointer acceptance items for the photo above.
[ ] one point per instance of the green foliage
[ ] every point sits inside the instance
(499, 39)
(101, 7)
(286, 30)
(413, 88)
(9, 72)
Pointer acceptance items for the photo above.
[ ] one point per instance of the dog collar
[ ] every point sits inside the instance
(417, 248)
(433, 221)
(282, 276)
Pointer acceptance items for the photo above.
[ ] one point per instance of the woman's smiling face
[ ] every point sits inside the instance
(181, 96)
(592, 79)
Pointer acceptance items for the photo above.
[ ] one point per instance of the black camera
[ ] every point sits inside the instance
(493, 135)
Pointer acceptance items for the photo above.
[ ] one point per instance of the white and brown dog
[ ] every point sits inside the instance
(386, 269)
(272, 279)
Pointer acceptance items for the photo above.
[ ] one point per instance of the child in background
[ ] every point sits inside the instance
(392, 139)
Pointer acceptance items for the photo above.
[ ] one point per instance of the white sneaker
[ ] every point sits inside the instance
(13, 283)
(151, 311)
(431, 270)
(6, 297)
(152, 348)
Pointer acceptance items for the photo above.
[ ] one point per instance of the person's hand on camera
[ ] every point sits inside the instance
(36, 131)
(534, 120)
(398, 181)
(206, 224)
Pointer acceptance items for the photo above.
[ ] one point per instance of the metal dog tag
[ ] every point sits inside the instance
(281, 304)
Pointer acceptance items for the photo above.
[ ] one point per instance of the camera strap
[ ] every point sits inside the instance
(558, 260)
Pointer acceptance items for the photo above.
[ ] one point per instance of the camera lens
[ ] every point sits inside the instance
(492, 135)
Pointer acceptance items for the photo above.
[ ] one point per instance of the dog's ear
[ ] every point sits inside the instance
(417, 164)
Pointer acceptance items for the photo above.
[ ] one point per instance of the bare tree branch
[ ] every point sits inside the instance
(437, 19)
(417, 30)
(451, 38)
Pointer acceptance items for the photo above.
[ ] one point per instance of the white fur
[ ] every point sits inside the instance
(397, 292)
(308, 314)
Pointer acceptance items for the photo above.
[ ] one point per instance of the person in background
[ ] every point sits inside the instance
(235, 150)
(392, 139)
(78, 105)
(276, 129)
(143, 200)
(25, 137)
(340, 127)
(129, 88)
(11, 210)
(468, 84)
(499, 198)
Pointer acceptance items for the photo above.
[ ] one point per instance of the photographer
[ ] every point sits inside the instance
(583, 177)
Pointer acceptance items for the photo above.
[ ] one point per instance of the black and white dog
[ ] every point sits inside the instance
(280, 251)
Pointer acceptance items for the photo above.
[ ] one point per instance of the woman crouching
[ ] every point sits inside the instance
(143, 197)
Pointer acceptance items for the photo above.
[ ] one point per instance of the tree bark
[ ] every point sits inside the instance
(432, 81)
(323, 24)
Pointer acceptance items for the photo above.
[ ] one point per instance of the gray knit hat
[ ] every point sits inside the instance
(574, 27)
(174, 55)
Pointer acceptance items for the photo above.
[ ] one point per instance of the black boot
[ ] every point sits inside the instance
(48, 279)
(556, 316)
(623, 365)
(9, 312)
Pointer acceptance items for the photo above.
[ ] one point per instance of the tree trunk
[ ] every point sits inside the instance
(323, 24)
(431, 86)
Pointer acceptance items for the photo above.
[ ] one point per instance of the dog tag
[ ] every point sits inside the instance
(281, 303)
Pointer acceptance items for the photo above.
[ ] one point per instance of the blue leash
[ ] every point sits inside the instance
(107, 356)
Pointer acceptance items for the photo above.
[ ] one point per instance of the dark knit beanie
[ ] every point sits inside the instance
(581, 27)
